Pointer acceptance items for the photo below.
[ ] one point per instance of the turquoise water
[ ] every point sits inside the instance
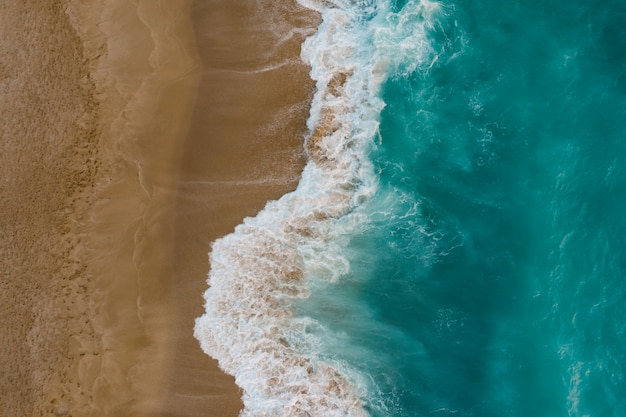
(456, 246)
(491, 280)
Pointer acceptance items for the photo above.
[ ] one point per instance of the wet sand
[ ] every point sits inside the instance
(125, 151)
(245, 147)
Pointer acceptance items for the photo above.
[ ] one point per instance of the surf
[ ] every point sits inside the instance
(273, 260)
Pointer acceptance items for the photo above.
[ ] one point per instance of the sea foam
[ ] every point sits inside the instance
(271, 260)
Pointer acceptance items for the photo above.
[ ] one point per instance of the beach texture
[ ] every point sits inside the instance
(48, 146)
(124, 152)
(244, 147)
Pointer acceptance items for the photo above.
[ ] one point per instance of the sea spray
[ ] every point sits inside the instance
(271, 260)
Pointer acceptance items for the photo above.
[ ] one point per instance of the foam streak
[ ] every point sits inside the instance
(270, 260)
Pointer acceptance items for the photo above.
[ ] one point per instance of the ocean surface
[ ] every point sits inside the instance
(457, 243)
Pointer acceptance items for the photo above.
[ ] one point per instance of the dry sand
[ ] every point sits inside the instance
(124, 152)
(48, 141)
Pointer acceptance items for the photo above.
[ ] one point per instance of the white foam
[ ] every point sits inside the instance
(271, 259)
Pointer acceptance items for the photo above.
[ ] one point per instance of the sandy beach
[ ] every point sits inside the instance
(133, 135)
(244, 148)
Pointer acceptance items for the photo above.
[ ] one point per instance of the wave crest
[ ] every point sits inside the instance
(270, 260)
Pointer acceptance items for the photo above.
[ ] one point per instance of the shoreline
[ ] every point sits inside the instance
(244, 148)
(131, 165)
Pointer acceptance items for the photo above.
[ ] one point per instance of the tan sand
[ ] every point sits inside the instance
(47, 145)
(114, 181)
(145, 69)
(244, 148)
(96, 104)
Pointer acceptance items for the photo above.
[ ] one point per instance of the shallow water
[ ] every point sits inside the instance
(455, 246)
